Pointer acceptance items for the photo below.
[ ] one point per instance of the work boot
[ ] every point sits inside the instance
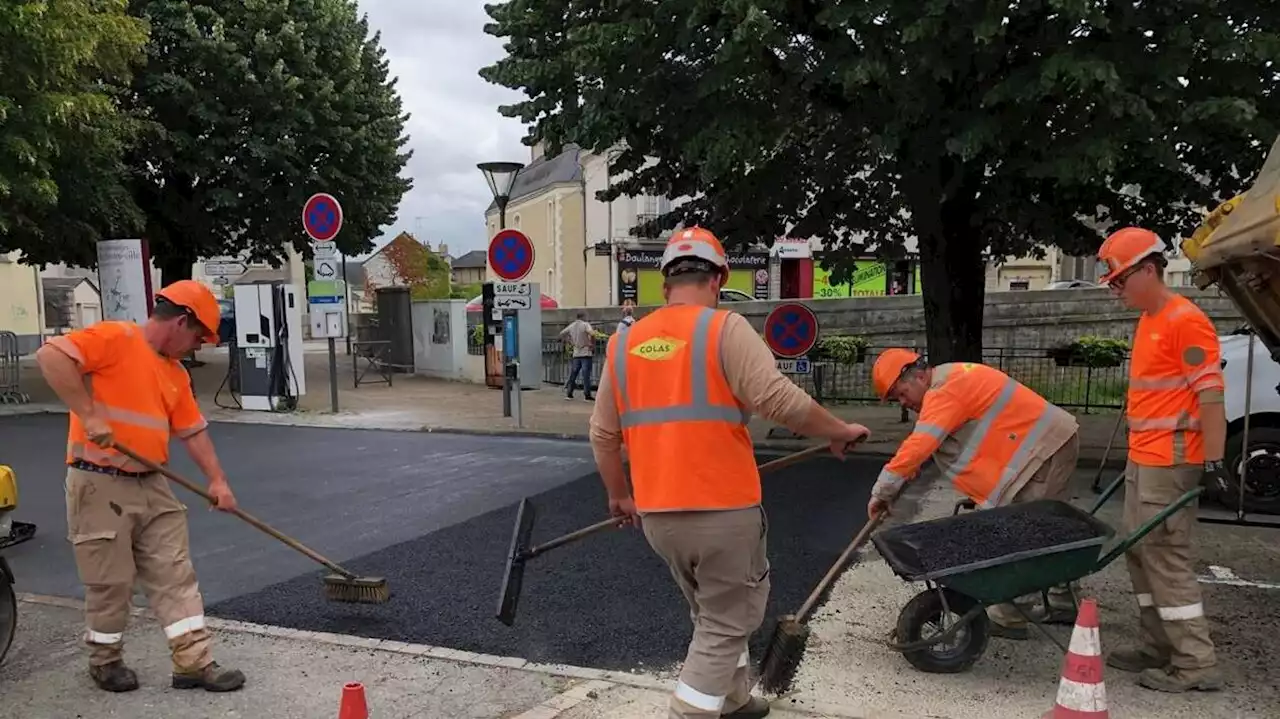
(1177, 681)
(1136, 660)
(755, 708)
(212, 678)
(114, 677)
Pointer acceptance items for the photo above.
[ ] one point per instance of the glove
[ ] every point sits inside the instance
(1215, 476)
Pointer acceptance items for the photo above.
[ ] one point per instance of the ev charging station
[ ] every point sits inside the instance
(267, 354)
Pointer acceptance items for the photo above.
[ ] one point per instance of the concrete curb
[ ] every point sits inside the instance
(597, 677)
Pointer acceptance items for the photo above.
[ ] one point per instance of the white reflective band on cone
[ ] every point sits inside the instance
(1082, 697)
(744, 658)
(184, 626)
(1085, 642)
(104, 638)
(1181, 614)
(1145, 600)
(697, 699)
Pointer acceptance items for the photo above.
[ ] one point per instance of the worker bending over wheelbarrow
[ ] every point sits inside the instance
(998, 442)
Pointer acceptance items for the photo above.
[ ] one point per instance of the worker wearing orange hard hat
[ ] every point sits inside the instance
(1177, 439)
(123, 383)
(676, 391)
(998, 442)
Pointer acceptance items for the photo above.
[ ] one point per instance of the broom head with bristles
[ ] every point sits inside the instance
(356, 590)
(782, 656)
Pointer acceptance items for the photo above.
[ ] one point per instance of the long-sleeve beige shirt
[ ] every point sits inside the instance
(751, 372)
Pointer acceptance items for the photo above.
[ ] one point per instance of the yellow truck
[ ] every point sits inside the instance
(1237, 248)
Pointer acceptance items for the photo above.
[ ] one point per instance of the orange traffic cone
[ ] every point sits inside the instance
(1081, 692)
(353, 705)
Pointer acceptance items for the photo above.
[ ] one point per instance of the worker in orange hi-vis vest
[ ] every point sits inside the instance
(677, 390)
(1177, 435)
(998, 442)
(124, 382)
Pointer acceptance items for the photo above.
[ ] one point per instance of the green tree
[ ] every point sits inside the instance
(984, 130)
(258, 104)
(412, 264)
(62, 137)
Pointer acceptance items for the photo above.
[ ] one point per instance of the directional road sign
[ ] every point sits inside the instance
(512, 295)
(511, 255)
(222, 268)
(791, 330)
(322, 217)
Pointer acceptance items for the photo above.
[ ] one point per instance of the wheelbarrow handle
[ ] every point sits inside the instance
(1107, 493)
(1136, 536)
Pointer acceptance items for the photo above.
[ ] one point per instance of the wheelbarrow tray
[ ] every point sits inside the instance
(1006, 577)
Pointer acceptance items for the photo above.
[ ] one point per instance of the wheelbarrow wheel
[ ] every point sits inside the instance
(922, 618)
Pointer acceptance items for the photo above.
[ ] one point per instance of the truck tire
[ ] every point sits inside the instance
(1262, 482)
(8, 617)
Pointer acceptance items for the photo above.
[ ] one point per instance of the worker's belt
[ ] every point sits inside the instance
(113, 471)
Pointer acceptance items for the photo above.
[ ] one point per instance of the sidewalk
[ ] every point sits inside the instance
(418, 404)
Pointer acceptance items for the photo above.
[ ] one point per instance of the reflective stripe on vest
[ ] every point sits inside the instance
(699, 408)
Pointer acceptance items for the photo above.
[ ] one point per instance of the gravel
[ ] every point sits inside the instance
(605, 602)
(979, 536)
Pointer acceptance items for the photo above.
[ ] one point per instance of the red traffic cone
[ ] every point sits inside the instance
(1081, 692)
(353, 705)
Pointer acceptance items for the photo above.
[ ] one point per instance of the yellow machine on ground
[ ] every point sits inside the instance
(11, 533)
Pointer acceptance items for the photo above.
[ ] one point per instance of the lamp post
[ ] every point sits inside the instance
(501, 177)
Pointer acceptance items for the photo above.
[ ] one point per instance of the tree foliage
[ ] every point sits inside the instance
(412, 264)
(981, 129)
(61, 132)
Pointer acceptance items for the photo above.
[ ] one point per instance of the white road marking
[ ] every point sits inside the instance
(1228, 577)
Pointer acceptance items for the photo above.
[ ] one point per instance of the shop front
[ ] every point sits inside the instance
(640, 282)
(871, 278)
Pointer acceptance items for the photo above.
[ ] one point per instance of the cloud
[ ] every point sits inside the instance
(436, 49)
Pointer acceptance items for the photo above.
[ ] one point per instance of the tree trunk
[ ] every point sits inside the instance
(953, 279)
(174, 266)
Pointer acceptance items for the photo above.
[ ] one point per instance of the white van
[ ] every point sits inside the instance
(1260, 399)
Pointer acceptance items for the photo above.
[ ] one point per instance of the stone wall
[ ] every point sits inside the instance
(1022, 319)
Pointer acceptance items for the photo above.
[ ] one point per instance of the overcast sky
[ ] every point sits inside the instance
(436, 49)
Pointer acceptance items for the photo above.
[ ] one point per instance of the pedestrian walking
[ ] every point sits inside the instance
(581, 338)
(628, 318)
(1177, 437)
(998, 442)
(126, 383)
(677, 390)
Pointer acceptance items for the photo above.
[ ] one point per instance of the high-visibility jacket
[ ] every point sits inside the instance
(144, 397)
(981, 426)
(684, 430)
(1175, 359)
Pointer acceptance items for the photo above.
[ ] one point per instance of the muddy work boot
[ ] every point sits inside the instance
(1136, 660)
(1176, 681)
(755, 708)
(212, 678)
(114, 677)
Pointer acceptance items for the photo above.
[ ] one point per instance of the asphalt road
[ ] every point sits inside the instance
(344, 493)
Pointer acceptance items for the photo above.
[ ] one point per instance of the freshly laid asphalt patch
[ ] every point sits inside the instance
(605, 602)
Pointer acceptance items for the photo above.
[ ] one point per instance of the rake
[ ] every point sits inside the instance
(520, 552)
(341, 586)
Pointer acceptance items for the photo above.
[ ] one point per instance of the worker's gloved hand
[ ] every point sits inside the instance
(1215, 476)
(876, 506)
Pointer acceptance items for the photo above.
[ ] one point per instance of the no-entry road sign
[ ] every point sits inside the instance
(511, 255)
(791, 330)
(322, 217)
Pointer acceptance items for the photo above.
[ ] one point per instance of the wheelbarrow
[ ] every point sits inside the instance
(944, 629)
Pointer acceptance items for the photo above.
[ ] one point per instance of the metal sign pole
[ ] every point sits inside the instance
(511, 339)
(333, 374)
(507, 349)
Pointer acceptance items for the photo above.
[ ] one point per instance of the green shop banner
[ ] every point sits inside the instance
(640, 282)
(870, 279)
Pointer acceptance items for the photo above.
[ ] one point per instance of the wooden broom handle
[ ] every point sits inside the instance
(258, 523)
(836, 568)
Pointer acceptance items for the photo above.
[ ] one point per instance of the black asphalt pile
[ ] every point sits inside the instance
(984, 535)
(606, 601)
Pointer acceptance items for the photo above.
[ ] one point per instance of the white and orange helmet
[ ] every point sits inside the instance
(1126, 248)
(695, 243)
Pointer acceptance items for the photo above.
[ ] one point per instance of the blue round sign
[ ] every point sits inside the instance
(322, 217)
(511, 255)
(791, 330)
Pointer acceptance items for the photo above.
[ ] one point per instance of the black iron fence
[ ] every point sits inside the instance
(1067, 381)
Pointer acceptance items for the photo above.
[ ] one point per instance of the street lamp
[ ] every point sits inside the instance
(501, 177)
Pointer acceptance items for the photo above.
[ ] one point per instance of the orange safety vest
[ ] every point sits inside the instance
(135, 390)
(982, 433)
(684, 430)
(1163, 407)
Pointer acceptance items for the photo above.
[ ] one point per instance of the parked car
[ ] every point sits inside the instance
(1072, 285)
(732, 295)
(1262, 481)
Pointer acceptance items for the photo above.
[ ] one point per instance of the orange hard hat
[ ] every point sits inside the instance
(888, 368)
(1125, 248)
(695, 243)
(199, 301)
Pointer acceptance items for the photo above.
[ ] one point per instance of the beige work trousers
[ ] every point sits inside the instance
(1162, 566)
(1051, 481)
(127, 528)
(720, 563)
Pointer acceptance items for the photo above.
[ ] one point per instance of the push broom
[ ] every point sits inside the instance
(520, 552)
(341, 586)
(786, 647)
